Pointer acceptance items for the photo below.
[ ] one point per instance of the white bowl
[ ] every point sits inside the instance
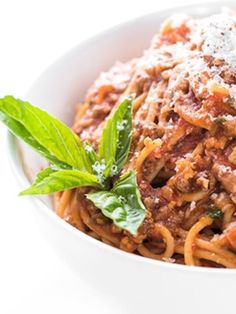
(142, 285)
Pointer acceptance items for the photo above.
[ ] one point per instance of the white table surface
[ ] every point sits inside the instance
(33, 34)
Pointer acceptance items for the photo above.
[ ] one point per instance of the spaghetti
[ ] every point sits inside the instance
(183, 146)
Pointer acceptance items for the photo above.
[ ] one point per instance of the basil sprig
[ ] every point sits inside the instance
(77, 164)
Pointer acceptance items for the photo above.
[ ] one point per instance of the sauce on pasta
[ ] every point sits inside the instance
(183, 146)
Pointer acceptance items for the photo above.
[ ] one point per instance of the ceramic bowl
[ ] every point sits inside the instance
(138, 284)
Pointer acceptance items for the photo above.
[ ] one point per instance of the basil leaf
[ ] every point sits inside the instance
(43, 174)
(110, 205)
(122, 204)
(116, 137)
(90, 152)
(50, 133)
(20, 131)
(127, 189)
(49, 181)
(124, 135)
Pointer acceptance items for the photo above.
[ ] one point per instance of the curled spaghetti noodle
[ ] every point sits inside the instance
(169, 243)
(192, 234)
(149, 147)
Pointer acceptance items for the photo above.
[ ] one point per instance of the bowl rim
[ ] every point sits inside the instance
(15, 160)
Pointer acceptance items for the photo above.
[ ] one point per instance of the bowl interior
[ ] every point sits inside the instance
(64, 84)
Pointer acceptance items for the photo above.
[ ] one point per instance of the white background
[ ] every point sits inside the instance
(32, 35)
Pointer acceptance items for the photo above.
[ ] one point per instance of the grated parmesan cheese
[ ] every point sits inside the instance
(219, 37)
(192, 205)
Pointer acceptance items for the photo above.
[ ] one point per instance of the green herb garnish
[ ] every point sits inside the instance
(122, 203)
(77, 164)
(215, 213)
(231, 102)
(50, 180)
(220, 120)
(116, 138)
